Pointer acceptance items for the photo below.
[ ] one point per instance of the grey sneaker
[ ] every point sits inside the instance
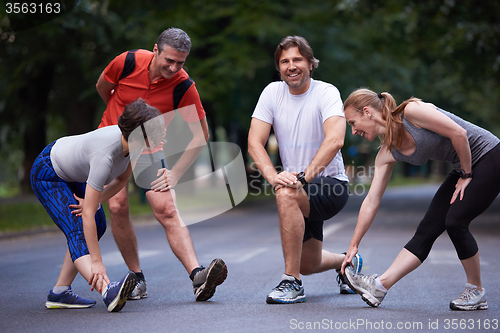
(364, 285)
(139, 291)
(471, 299)
(288, 291)
(357, 264)
(206, 280)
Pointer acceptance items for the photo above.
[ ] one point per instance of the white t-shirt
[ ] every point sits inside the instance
(95, 157)
(298, 123)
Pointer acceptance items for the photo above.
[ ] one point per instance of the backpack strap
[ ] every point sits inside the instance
(129, 65)
(180, 90)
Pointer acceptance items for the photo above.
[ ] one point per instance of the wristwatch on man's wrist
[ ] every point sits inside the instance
(465, 175)
(301, 177)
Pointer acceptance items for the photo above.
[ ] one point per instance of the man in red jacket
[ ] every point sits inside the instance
(158, 78)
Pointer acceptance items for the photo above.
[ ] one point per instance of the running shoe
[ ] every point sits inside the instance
(357, 264)
(139, 291)
(343, 286)
(471, 299)
(365, 286)
(67, 300)
(287, 292)
(206, 280)
(116, 293)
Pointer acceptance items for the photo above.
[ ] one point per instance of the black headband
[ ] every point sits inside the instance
(380, 95)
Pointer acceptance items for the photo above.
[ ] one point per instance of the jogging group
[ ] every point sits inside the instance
(74, 175)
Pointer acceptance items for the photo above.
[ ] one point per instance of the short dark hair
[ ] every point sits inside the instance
(175, 38)
(304, 49)
(136, 114)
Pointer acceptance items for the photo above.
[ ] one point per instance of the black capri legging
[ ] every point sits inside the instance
(455, 218)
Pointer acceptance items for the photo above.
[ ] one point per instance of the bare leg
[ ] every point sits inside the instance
(84, 266)
(293, 205)
(123, 231)
(472, 269)
(178, 236)
(68, 272)
(404, 263)
(316, 260)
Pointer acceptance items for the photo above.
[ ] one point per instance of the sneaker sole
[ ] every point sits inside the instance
(55, 305)
(480, 306)
(359, 266)
(299, 299)
(365, 295)
(217, 273)
(125, 290)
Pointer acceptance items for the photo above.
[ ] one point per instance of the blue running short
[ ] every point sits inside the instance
(56, 195)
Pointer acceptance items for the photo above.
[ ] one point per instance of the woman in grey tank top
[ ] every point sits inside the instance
(416, 132)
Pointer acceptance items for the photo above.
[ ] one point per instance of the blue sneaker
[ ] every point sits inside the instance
(357, 265)
(67, 300)
(117, 293)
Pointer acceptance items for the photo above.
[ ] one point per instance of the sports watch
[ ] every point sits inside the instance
(301, 177)
(465, 175)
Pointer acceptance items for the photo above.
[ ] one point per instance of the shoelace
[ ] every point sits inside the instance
(367, 278)
(110, 286)
(113, 284)
(469, 293)
(286, 285)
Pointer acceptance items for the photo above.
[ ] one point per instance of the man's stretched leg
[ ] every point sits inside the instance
(205, 280)
(178, 236)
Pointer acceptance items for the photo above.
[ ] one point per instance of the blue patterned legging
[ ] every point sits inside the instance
(56, 195)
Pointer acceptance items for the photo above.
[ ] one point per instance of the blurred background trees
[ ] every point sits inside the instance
(443, 51)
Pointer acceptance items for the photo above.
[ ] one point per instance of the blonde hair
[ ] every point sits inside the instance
(386, 104)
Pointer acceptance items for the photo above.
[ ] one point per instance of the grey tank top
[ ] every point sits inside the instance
(432, 146)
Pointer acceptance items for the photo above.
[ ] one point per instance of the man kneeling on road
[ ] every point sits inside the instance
(309, 125)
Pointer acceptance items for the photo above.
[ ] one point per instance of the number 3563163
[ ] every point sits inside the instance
(32, 8)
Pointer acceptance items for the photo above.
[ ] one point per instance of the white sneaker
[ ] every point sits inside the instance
(365, 286)
(471, 299)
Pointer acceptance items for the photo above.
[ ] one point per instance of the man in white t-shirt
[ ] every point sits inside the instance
(308, 121)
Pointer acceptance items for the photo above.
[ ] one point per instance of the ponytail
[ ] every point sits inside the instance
(395, 129)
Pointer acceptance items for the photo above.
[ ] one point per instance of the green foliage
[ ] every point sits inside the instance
(445, 52)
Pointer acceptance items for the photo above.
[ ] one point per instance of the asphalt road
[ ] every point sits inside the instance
(247, 238)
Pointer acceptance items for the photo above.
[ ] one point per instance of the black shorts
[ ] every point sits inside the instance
(327, 196)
